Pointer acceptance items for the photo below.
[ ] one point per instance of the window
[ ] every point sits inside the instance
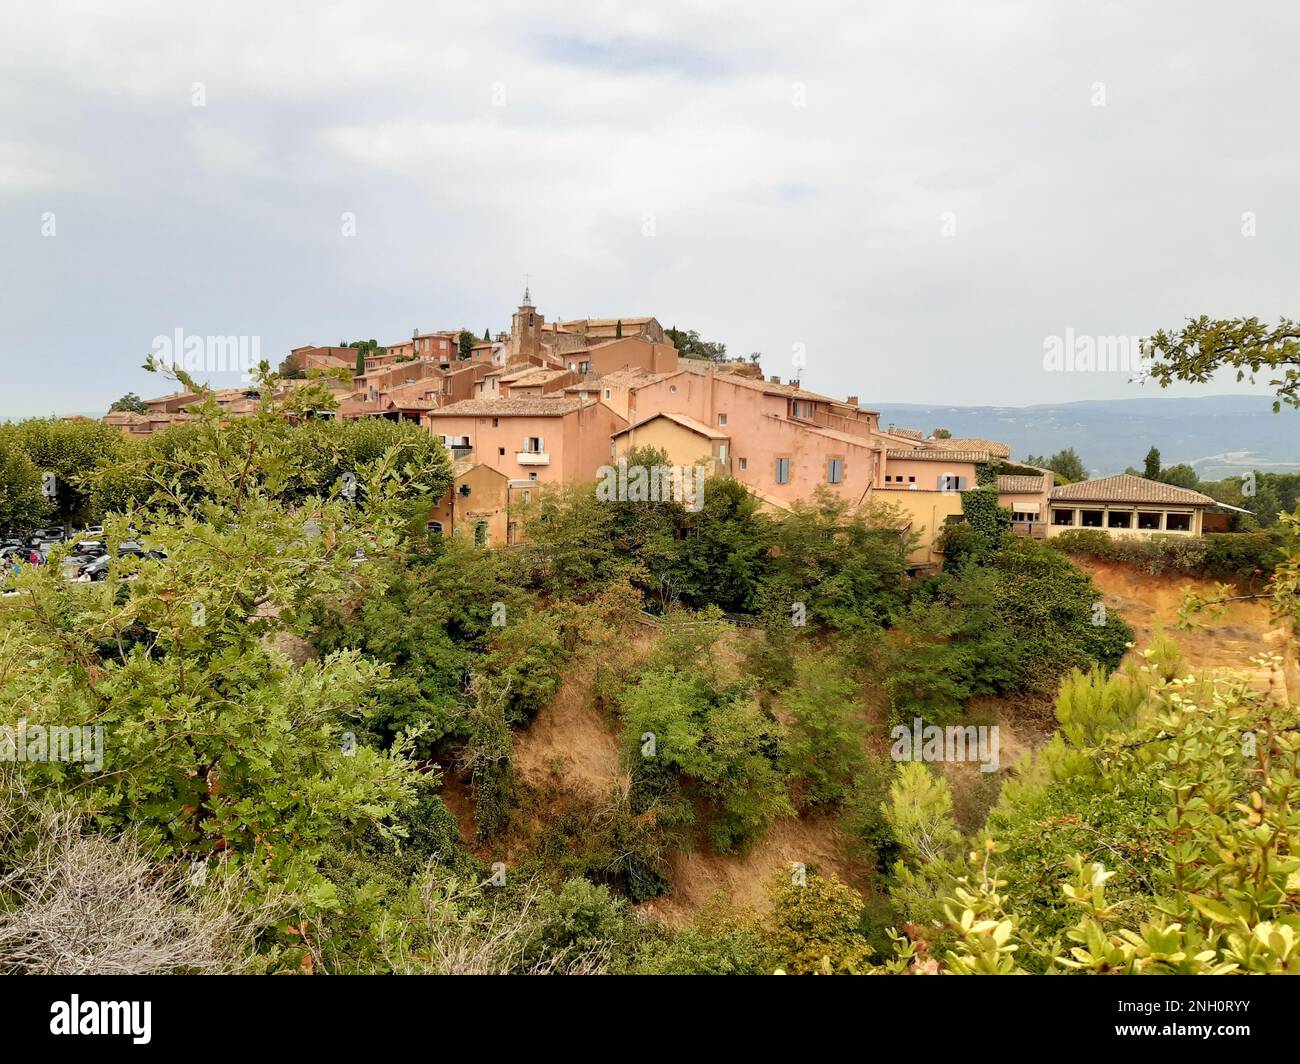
(910, 480)
(835, 471)
(480, 533)
(496, 422)
(528, 495)
(533, 445)
(584, 367)
(951, 482)
(501, 451)
(744, 463)
(783, 471)
(1178, 522)
(607, 393)
(1119, 519)
(532, 476)
(888, 479)
(722, 420)
(1148, 522)
(1090, 518)
(1062, 517)
(722, 452)
(434, 528)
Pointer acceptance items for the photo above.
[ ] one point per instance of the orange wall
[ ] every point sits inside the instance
(760, 434)
(927, 473)
(578, 443)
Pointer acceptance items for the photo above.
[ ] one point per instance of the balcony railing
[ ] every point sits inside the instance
(527, 458)
(458, 453)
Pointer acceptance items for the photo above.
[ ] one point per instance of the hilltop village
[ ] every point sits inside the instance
(557, 402)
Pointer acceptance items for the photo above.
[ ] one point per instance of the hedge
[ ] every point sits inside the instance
(1217, 555)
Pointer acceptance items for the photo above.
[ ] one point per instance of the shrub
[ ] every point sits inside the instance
(711, 745)
(815, 926)
(581, 918)
(824, 748)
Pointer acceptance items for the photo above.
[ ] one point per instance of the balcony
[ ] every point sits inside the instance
(533, 458)
(458, 453)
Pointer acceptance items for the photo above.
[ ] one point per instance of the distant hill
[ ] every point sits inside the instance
(1219, 435)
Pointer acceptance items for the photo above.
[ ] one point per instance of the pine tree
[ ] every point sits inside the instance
(1151, 469)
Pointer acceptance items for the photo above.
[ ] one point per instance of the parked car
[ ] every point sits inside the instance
(92, 547)
(98, 568)
(74, 565)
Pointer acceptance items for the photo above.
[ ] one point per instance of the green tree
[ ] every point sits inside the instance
(222, 750)
(70, 451)
(689, 345)
(1151, 467)
(1205, 345)
(130, 403)
(688, 740)
(825, 751)
(1181, 476)
(467, 341)
(23, 506)
(1066, 463)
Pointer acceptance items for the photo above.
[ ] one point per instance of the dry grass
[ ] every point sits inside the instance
(78, 903)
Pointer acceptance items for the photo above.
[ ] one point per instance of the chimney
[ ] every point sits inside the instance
(852, 400)
(773, 380)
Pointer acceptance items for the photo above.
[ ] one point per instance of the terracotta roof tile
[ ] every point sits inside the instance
(1127, 488)
(531, 406)
(937, 454)
(954, 443)
(1013, 484)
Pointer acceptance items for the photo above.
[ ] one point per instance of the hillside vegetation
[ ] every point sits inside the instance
(404, 795)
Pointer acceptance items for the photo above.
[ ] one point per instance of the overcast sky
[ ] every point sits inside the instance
(918, 194)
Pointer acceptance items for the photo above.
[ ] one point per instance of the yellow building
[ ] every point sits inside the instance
(476, 505)
(923, 512)
(687, 442)
(1126, 505)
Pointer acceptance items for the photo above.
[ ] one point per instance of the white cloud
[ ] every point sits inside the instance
(774, 222)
